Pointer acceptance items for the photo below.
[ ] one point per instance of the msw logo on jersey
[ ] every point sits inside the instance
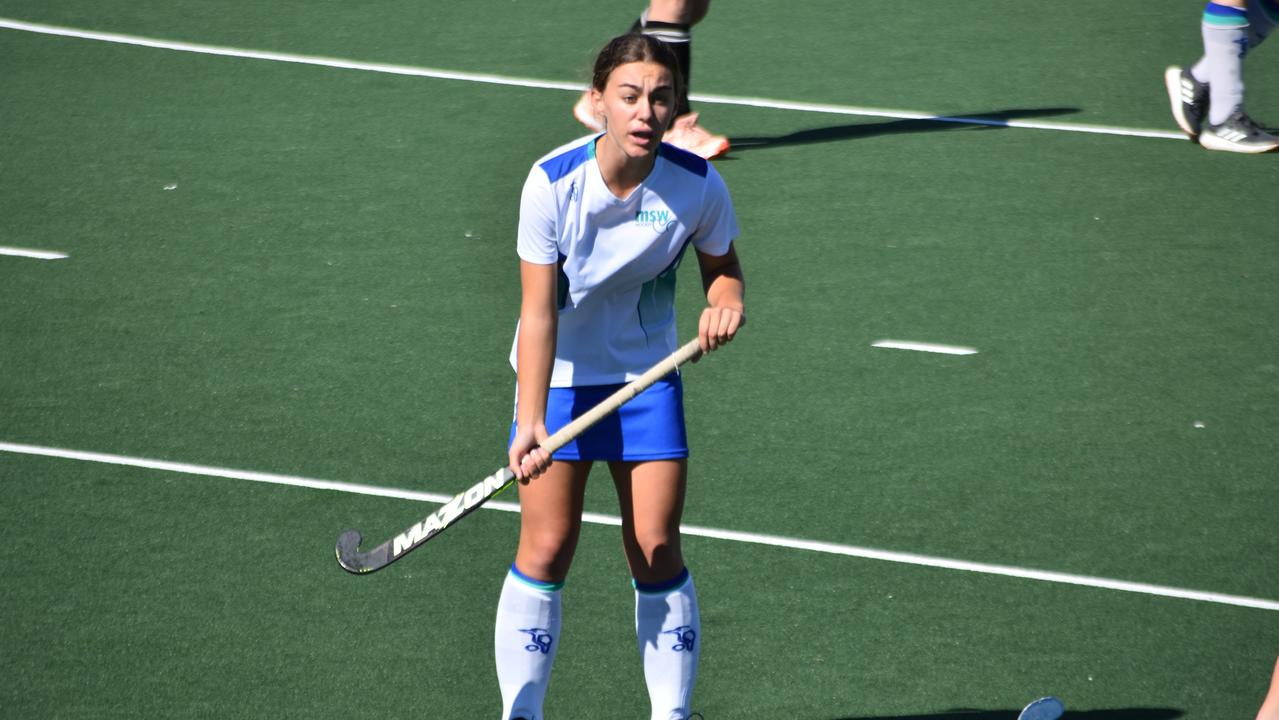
(462, 503)
(659, 220)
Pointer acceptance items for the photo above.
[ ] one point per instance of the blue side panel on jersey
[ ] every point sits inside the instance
(656, 304)
(564, 163)
(687, 160)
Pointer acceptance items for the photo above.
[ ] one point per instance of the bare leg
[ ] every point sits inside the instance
(651, 495)
(551, 520)
(1270, 707)
(667, 623)
(684, 12)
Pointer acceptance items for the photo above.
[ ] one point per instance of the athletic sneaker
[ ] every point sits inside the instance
(686, 134)
(1239, 133)
(1189, 99)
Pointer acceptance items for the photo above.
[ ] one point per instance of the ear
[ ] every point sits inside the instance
(597, 103)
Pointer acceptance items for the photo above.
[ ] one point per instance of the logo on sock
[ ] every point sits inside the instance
(539, 640)
(685, 637)
(1243, 47)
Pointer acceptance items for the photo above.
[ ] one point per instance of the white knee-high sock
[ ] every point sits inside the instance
(1225, 36)
(669, 631)
(525, 639)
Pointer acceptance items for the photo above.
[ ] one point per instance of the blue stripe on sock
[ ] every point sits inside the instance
(535, 583)
(1224, 15)
(663, 587)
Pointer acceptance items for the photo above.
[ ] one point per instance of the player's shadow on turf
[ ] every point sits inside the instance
(967, 714)
(975, 121)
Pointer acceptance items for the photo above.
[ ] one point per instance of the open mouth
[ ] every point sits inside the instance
(643, 137)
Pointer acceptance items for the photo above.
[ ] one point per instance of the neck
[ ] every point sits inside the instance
(622, 173)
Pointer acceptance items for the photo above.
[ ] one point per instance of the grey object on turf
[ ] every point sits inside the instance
(1045, 708)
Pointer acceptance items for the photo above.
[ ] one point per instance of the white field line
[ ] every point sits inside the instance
(924, 347)
(35, 254)
(743, 537)
(831, 109)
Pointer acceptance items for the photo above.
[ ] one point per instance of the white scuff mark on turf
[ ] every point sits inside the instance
(34, 254)
(577, 87)
(693, 530)
(924, 347)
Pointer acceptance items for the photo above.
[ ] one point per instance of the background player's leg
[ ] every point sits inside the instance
(667, 621)
(526, 634)
(671, 22)
(1225, 40)
(1227, 32)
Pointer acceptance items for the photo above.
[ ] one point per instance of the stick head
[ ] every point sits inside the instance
(348, 551)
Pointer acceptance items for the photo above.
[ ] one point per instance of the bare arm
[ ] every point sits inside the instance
(535, 357)
(725, 298)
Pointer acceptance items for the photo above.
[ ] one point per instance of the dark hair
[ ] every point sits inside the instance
(634, 47)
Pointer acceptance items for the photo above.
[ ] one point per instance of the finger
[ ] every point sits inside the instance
(734, 322)
(726, 326)
(535, 462)
(528, 466)
(703, 331)
(513, 463)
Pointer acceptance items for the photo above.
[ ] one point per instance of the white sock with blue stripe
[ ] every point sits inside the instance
(525, 640)
(669, 630)
(1225, 38)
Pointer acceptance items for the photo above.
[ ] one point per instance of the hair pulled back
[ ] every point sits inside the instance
(634, 47)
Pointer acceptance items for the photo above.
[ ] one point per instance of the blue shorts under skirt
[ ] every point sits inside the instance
(649, 427)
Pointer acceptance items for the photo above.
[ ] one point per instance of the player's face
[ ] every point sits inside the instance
(637, 105)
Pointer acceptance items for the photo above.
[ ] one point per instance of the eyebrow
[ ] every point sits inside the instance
(665, 86)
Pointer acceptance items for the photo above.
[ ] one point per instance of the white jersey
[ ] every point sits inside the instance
(617, 258)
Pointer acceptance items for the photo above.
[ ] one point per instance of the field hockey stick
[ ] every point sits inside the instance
(469, 500)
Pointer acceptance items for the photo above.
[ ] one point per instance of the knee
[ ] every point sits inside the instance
(655, 556)
(546, 554)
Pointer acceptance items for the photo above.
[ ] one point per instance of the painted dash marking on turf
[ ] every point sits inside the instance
(924, 347)
(34, 254)
(577, 87)
(693, 530)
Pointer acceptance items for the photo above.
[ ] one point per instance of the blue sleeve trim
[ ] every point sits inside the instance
(567, 161)
(687, 160)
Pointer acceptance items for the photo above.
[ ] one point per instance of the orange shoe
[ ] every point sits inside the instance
(686, 134)
(585, 114)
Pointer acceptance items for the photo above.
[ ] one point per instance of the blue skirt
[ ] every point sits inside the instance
(649, 427)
